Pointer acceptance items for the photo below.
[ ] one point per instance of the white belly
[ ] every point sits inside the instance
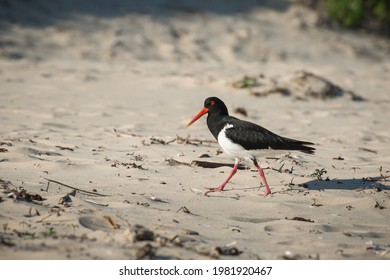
(237, 151)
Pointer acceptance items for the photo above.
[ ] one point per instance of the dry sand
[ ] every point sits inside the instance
(96, 96)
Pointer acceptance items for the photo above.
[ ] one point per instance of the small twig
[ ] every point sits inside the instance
(73, 188)
(189, 141)
(300, 219)
(377, 205)
(206, 164)
(184, 209)
(377, 179)
(65, 148)
(30, 214)
(44, 218)
(274, 169)
(274, 158)
(367, 150)
(111, 221)
(139, 179)
(206, 193)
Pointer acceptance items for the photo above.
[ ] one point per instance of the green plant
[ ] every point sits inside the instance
(5, 227)
(318, 173)
(50, 232)
(346, 12)
(358, 13)
(246, 82)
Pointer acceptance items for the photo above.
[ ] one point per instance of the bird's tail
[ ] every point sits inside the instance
(302, 147)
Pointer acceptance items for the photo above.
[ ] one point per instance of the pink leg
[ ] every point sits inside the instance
(220, 188)
(261, 172)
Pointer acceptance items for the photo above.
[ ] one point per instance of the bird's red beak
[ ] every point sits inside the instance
(202, 112)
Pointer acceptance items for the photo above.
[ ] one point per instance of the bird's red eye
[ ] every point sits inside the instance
(212, 103)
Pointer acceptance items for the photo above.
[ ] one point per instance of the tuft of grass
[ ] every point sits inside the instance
(319, 173)
(50, 232)
(5, 227)
(246, 82)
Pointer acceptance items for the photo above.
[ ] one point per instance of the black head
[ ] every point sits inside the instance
(212, 105)
(215, 105)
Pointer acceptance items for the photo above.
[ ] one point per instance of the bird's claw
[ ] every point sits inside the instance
(208, 190)
(266, 193)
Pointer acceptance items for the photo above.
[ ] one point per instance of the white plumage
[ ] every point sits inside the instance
(237, 151)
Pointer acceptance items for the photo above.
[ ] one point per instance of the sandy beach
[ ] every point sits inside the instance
(96, 161)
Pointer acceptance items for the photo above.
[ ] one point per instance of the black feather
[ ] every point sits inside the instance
(249, 135)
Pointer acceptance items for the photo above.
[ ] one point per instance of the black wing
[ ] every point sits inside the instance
(253, 137)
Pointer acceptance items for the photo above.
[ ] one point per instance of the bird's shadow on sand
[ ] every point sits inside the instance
(346, 184)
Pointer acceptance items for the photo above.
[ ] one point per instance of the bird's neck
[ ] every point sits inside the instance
(215, 123)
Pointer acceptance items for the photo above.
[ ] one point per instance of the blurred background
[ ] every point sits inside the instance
(221, 31)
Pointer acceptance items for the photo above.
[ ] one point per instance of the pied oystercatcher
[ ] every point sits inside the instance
(244, 140)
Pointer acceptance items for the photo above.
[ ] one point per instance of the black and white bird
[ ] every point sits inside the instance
(244, 140)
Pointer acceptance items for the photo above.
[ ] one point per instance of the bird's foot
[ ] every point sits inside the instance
(267, 192)
(208, 190)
